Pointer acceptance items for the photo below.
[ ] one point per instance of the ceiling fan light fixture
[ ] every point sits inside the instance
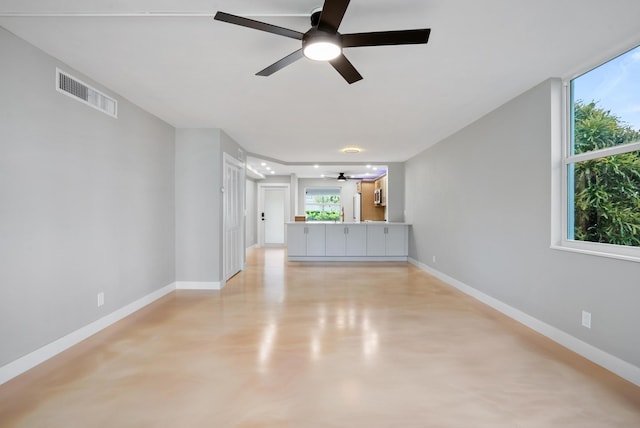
(322, 50)
(321, 46)
(341, 177)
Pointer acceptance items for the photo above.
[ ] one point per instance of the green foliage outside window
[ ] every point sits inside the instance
(607, 189)
(322, 216)
(322, 207)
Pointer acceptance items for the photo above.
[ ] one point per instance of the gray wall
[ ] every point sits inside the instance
(86, 204)
(293, 200)
(198, 185)
(199, 221)
(395, 192)
(480, 202)
(251, 210)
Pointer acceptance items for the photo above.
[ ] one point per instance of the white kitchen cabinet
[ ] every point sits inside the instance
(356, 242)
(397, 240)
(335, 242)
(296, 240)
(376, 240)
(305, 240)
(345, 240)
(316, 240)
(389, 240)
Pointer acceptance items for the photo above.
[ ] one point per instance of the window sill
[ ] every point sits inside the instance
(611, 251)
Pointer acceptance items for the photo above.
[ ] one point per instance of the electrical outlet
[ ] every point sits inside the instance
(586, 319)
(100, 298)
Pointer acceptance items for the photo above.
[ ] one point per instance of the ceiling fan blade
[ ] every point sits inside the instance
(379, 38)
(257, 25)
(332, 13)
(346, 69)
(279, 65)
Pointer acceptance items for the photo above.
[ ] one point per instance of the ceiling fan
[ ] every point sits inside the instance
(323, 42)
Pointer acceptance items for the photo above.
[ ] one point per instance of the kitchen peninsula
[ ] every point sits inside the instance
(335, 241)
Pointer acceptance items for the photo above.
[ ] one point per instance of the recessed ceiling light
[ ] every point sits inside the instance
(322, 175)
(368, 166)
(316, 166)
(375, 168)
(268, 168)
(351, 150)
(273, 172)
(263, 164)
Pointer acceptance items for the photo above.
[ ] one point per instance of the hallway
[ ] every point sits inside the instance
(288, 344)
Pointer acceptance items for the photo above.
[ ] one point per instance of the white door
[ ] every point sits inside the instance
(273, 213)
(233, 208)
(274, 216)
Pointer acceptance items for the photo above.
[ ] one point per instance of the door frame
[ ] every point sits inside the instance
(287, 208)
(228, 159)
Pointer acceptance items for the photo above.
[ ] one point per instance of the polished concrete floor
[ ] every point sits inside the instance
(319, 345)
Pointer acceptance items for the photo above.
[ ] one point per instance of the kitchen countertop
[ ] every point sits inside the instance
(350, 223)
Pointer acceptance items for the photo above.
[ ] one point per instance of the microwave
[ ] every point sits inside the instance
(377, 196)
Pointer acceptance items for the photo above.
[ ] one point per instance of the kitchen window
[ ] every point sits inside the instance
(601, 160)
(322, 204)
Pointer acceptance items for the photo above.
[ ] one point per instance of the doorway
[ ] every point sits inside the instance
(273, 213)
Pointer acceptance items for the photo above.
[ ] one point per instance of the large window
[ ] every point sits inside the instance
(602, 156)
(322, 204)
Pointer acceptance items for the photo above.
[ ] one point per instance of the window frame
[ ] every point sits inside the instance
(561, 139)
(317, 188)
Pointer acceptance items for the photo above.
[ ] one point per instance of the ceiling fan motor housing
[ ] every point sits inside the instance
(315, 16)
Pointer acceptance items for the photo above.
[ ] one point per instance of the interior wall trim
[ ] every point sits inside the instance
(40, 355)
(198, 285)
(610, 362)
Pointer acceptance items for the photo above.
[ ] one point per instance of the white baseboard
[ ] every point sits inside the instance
(610, 362)
(198, 285)
(347, 258)
(22, 364)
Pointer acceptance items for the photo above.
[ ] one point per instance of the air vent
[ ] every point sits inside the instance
(69, 85)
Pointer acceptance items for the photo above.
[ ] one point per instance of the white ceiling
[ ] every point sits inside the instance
(192, 71)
